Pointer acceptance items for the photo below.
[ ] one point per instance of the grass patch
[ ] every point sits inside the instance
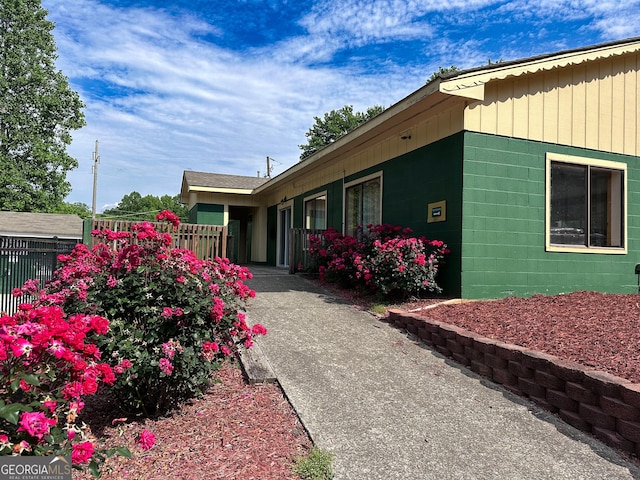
(316, 465)
(378, 308)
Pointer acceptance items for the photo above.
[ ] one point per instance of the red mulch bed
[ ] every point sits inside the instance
(236, 431)
(241, 431)
(594, 329)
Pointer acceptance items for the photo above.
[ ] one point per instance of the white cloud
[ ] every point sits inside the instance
(162, 100)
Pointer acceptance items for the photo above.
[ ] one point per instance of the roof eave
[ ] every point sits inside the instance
(470, 83)
(358, 133)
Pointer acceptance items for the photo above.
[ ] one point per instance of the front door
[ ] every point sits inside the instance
(284, 225)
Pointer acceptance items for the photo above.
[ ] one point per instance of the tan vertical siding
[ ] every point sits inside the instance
(565, 109)
(591, 105)
(617, 103)
(520, 122)
(550, 105)
(423, 131)
(605, 111)
(578, 106)
(631, 104)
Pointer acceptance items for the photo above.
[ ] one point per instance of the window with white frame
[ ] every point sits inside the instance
(586, 204)
(363, 203)
(315, 212)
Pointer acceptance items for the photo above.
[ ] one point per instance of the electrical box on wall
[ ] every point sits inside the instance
(437, 212)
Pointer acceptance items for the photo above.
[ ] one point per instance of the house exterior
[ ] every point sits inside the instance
(29, 246)
(217, 199)
(43, 226)
(529, 170)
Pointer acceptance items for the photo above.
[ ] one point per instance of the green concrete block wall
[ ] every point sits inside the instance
(410, 182)
(207, 214)
(428, 175)
(503, 228)
(334, 205)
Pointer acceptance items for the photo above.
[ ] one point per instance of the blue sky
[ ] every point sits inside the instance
(218, 86)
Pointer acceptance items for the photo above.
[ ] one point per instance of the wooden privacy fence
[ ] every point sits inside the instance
(206, 241)
(299, 257)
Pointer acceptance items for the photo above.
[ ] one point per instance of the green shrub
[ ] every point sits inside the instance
(381, 259)
(172, 317)
(48, 368)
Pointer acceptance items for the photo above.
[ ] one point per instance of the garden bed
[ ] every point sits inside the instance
(235, 431)
(250, 431)
(597, 330)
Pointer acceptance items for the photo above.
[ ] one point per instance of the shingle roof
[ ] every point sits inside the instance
(42, 225)
(218, 180)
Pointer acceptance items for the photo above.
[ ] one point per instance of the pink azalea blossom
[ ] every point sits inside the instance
(82, 452)
(168, 216)
(166, 366)
(258, 329)
(35, 424)
(146, 440)
(168, 350)
(99, 324)
(122, 366)
(76, 406)
(20, 346)
(51, 405)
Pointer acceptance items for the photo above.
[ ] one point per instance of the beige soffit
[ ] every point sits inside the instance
(470, 83)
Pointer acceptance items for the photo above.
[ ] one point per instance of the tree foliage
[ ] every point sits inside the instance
(136, 207)
(77, 208)
(38, 110)
(442, 71)
(334, 125)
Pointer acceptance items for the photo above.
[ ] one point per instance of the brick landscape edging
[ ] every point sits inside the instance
(596, 402)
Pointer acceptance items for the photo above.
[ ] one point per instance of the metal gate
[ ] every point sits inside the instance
(22, 259)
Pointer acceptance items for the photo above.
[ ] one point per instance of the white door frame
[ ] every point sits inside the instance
(285, 223)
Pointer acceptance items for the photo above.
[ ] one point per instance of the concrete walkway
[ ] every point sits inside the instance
(389, 408)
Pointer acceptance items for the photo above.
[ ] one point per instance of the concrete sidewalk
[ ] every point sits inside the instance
(389, 408)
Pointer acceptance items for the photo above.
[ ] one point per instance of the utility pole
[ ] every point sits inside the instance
(270, 167)
(96, 161)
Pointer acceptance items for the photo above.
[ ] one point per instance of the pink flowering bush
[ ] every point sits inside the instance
(172, 317)
(403, 266)
(381, 259)
(48, 364)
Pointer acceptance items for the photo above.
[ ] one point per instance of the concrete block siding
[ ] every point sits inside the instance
(596, 402)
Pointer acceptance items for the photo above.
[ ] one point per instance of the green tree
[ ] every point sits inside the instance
(76, 208)
(38, 109)
(442, 71)
(136, 207)
(334, 125)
